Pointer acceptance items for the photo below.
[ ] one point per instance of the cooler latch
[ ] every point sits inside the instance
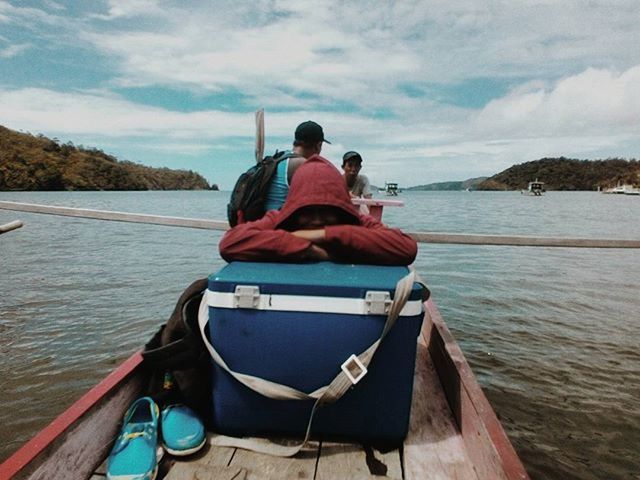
(378, 303)
(246, 296)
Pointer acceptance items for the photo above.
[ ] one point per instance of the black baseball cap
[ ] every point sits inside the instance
(351, 156)
(310, 132)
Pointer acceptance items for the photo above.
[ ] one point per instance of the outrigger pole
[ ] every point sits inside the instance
(422, 237)
(7, 227)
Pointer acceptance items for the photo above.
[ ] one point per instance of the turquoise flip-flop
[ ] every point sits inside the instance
(183, 433)
(134, 456)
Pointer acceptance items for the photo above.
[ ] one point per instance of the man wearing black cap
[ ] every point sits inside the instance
(307, 141)
(357, 184)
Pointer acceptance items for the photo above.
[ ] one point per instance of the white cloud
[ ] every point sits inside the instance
(26, 17)
(54, 5)
(118, 9)
(14, 50)
(102, 114)
(594, 102)
(87, 113)
(331, 53)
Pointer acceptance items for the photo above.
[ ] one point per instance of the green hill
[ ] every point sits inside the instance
(566, 174)
(29, 162)
(440, 186)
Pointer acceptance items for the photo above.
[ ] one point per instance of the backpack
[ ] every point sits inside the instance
(250, 192)
(176, 352)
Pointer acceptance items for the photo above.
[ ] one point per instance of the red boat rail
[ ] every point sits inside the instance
(28, 453)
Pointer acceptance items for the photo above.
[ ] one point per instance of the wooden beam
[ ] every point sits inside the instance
(7, 227)
(522, 241)
(421, 237)
(116, 216)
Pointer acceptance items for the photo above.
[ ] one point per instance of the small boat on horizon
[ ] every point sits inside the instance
(622, 189)
(535, 189)
(390, 189)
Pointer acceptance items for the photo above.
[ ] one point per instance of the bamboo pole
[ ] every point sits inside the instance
(116, 216)
(422, 237)
(522, 241)
(7, 227)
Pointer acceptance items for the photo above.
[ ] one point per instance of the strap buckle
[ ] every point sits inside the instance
(352, 366)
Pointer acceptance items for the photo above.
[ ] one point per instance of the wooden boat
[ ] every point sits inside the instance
(453, 433)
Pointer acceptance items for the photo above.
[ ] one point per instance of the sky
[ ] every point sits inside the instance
(426, 91)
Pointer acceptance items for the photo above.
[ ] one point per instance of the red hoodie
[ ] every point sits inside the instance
(318, 182)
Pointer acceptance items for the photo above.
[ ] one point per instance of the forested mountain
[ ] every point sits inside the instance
(29, 162)
(462, 185)
(566, 174)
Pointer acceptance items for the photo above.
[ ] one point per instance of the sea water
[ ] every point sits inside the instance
(550, 333)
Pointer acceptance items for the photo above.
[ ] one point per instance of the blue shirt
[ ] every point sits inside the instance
(279, 188)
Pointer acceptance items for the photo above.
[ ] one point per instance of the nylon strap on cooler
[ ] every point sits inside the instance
(322, 396)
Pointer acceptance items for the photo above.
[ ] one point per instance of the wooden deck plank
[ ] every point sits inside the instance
(345, 460)
(102, 469)
(260, 466)
(188, 471)
(434, 448)
(210, 459)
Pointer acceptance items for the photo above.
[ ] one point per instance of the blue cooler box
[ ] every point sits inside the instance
(296, 324)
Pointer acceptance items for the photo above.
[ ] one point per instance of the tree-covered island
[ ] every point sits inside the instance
(566, 174)
(29, 162)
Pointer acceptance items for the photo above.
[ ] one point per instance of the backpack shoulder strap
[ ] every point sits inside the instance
(283, 155)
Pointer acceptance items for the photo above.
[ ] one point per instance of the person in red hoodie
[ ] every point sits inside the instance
(318, 222)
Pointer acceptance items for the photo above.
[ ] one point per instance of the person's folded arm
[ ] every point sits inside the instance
(371, 243)
(259, 241)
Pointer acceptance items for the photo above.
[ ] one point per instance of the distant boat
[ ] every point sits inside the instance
(535, 189)
(620, 189)
(390, 189)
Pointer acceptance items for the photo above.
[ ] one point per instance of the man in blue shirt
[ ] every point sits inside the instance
(308, 140)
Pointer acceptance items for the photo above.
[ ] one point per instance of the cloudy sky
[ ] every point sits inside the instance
(427, 91)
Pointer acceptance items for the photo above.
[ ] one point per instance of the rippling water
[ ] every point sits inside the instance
(551, 334)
